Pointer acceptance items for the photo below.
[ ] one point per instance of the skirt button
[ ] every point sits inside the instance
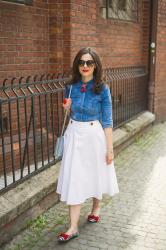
(91, 123)
(71, 121)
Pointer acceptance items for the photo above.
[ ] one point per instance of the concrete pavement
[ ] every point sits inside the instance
(135, 219)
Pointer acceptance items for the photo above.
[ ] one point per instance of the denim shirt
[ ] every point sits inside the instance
(89, 106)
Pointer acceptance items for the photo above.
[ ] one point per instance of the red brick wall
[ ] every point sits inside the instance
(118, 43)
(146, 7)
(160, 80)
(34, 39)
(55, 36)
(45, 37)
(24, 40)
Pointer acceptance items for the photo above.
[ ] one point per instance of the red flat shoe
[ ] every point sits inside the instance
(63, 237)
(93, 218)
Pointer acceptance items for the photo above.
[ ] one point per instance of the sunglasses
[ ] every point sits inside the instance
(89, 63)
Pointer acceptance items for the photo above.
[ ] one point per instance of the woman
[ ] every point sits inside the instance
(87, 168)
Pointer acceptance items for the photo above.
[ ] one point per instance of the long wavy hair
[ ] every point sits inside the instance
(76, 76)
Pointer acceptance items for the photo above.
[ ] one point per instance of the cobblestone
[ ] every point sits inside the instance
(135, 219)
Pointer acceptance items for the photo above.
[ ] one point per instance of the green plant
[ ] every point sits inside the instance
(18, 247)
(39, 223)
(138, 139)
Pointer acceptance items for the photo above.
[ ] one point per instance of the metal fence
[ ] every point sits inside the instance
(129, 86)
(31, 117)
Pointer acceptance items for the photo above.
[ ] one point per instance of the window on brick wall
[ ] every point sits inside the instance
(27, 2)
(120, 9)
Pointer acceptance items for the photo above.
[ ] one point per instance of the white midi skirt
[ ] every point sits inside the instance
(84, 172)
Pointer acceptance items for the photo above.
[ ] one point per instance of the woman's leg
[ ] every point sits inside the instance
(96, 207)
(74, 213)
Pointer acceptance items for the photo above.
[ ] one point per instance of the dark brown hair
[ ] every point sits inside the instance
(76, 76)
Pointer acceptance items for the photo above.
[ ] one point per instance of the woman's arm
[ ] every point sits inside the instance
(67, 101)
(109, 142)
(107, 122)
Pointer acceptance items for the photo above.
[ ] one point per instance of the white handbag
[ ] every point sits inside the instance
(58, 152)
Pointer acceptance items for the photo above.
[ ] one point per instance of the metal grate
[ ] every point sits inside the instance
(120, 9)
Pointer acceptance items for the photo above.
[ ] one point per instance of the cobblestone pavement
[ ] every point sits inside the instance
(135, 219)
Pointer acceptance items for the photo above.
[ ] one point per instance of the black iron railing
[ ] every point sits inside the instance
(35, 115)
(129, 92)
(31, 117)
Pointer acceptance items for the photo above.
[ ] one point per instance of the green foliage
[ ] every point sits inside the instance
(138, 139)
(18, 247)
(40, 222)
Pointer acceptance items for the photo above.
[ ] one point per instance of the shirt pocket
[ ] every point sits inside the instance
(93, 105)
(76, 100)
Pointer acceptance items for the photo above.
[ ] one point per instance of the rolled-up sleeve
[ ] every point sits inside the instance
(106, 108)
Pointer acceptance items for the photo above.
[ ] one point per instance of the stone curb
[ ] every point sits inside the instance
(19, 203)
(125, 134)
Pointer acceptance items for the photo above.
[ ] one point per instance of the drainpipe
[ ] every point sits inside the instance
(152, 55)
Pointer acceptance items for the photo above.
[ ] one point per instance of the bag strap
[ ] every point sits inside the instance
(66, 111)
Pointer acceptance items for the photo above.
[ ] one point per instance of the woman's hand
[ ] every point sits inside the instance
(109, 144)
(67, 103)
(109, 157)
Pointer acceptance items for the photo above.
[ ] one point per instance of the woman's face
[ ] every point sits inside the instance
(86, 66)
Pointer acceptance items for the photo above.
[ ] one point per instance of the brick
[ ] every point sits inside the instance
(61, 24)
